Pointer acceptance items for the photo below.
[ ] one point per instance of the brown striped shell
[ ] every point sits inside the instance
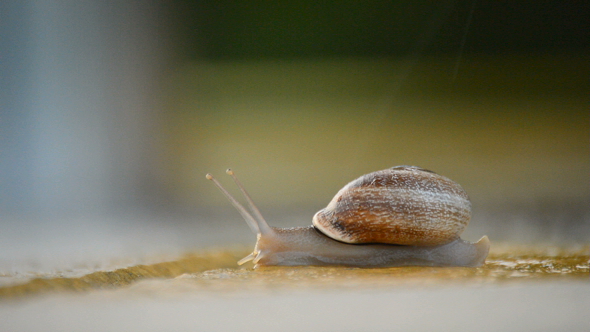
(404, 205)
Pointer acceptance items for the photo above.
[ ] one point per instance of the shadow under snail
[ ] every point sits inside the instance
(401, 216)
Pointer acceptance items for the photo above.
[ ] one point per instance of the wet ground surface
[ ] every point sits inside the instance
(217, 271)
(520, 288)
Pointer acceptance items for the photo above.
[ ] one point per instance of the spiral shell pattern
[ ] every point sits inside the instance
(403, 205)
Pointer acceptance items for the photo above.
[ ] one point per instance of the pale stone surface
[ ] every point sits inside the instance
(176, 305)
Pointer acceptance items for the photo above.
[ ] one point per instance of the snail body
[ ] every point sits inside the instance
(400, 216)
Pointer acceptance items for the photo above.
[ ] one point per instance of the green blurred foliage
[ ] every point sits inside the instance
(225, 29)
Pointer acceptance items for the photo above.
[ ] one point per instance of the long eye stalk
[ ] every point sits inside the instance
(262, 224)
(258, 225)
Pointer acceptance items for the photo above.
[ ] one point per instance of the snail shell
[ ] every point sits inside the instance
(404, 205)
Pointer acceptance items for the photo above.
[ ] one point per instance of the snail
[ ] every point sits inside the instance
(401, 216)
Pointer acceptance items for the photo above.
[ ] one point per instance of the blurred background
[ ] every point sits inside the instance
(112, 113)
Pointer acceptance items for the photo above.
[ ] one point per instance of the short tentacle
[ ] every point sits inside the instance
(247, 258)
